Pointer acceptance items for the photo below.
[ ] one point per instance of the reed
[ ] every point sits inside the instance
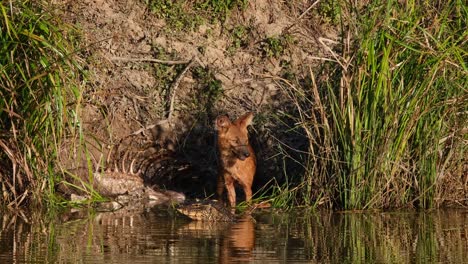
(386, 128)
(39, 94)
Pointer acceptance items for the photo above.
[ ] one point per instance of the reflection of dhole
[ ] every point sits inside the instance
(239, 242)
(237, 158)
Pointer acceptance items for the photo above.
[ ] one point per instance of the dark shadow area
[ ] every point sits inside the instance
(192, 166)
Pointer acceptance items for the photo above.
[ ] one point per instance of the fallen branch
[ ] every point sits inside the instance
(148, 127)
(168, 62)
(173, 91)
(174, 87)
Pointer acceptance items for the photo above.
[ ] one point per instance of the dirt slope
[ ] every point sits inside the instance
(127, 99)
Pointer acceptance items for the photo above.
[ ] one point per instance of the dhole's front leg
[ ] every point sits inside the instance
(248, 193)
(231, 190)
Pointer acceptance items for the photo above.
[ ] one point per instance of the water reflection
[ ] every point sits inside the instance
(163, 236)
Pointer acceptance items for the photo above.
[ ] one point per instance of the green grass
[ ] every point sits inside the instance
(387, 126)
(276, 46)
(39, 94)
(239, 38)
(176, 14)
(189, 15)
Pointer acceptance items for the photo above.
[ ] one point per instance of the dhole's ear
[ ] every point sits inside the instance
(246, 119)
(222, 122)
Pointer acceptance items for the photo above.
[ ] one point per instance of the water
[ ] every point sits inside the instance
(163, 236)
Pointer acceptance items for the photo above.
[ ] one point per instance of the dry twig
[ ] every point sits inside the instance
(168, 62)
(173, 91)
(301, 16)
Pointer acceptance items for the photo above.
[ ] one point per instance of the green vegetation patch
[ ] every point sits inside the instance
(39, 91)
(189, 15)
(276, 46)
(210, 89)
(239, 38)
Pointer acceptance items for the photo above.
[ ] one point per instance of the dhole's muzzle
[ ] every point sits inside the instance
(241, 152)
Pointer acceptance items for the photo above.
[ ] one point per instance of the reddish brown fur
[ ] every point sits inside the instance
(237, 158)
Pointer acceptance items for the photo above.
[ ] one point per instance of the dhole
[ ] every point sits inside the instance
(236, 156)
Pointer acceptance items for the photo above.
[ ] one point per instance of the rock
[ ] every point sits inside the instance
(77, 198)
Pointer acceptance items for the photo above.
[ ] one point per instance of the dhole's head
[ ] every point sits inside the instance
(233, 136)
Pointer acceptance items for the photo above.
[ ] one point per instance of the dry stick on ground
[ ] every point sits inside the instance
(301, 16)
(168, 62)
(173, 88)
